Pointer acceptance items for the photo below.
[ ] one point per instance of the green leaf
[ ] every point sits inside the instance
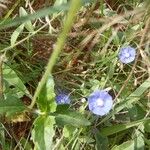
(11, 105)
(28, 25)
(68, 131)
(46, 100)
(59, 3)
(101, 141)
(136, 112)
(120, 127)
(62, 108)
(129, 145)
(22, 12)
(10, 77)
(43, 132)
(68, 117)
(16, 34)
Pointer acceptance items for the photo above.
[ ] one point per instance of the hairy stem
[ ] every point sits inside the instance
(74, 7)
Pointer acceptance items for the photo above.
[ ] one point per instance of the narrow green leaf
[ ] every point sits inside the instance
(28, 25)
(11, 105)
(120, 127)
(22, 12)
(43, 132)
(59, 3)
(46, 100)
(68, 117)
(129, 145)
(16, 34)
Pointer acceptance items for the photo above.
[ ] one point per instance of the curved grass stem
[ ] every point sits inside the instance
(74, 7)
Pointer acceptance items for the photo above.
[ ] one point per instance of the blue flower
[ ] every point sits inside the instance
(62, 98)
(100, 102)
(127, 54)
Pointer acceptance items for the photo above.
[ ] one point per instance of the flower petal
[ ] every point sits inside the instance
(127, 54)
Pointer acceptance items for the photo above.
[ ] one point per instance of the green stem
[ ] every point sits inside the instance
(74, 7)
(1, 76)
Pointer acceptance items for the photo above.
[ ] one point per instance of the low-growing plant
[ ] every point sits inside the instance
(90, 90)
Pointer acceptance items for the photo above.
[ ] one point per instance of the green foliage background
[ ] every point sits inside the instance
(86, 37)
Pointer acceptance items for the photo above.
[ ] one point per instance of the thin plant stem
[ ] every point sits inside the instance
(1, 76)
(74, 7)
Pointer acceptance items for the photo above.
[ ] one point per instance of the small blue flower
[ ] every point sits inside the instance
(62, 98)
(100, 102)
(127, 54)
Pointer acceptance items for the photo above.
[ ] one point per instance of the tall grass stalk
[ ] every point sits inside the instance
(74, 7)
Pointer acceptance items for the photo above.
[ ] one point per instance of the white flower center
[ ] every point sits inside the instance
(63, 100)
(100, 102)
(127, 55)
